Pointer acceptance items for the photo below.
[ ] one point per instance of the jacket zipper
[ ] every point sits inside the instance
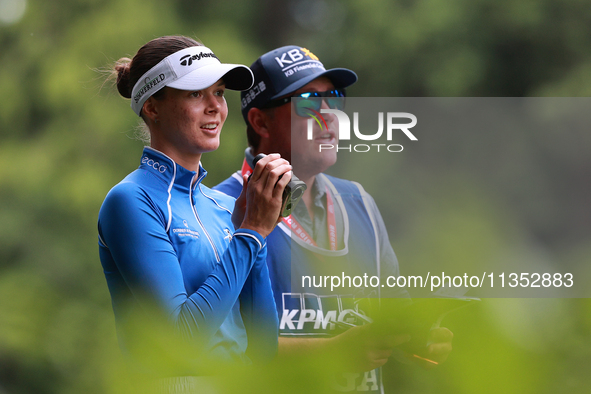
(217, 256)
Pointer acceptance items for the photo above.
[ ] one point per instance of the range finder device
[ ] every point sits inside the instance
(293, 191)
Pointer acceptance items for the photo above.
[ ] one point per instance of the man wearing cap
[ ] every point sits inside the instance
(337, 223)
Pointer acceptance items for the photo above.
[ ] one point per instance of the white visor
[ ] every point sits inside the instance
(192, 68)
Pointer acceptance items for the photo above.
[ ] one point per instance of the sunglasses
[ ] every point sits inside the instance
(305, 104)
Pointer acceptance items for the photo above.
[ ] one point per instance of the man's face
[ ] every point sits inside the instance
(289, 135)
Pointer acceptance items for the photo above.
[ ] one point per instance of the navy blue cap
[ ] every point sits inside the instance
(283, 71)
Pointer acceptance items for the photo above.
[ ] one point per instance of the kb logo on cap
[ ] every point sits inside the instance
(294, 56)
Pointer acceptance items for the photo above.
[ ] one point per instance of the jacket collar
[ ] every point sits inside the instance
(165, 168)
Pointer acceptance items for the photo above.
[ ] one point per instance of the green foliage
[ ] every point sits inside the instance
(67, 137)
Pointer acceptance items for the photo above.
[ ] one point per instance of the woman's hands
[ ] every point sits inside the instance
(259, 205)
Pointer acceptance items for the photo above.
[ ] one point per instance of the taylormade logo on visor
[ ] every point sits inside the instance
(187, 60)
(394, 124)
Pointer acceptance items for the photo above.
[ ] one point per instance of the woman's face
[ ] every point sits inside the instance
(190, 122)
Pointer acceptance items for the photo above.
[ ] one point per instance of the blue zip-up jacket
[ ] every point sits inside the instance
(165, 237)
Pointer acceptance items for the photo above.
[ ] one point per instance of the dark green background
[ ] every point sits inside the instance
(67, 137)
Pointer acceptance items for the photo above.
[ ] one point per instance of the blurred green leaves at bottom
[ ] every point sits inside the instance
(500, 345)
(66, 137)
